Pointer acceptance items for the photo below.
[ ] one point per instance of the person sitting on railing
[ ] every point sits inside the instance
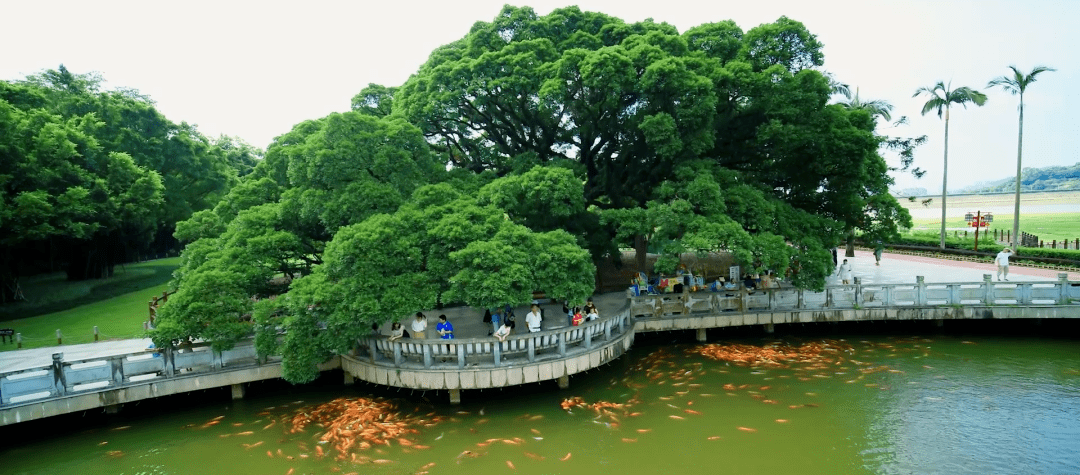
(504, 331)
(578, 317)
(749, 283)
(590, 312)
(397, 332)
(445, 328)
(534, 319)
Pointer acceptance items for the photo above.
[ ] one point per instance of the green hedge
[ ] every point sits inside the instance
(987, 245)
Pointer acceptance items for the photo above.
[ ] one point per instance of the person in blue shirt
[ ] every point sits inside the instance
(444, 328)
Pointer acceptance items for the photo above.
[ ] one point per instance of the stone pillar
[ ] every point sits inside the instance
(349, 379)
(237, 391)
(113, 408)
(769, 328)
(564, 381)
(455, 396)
(701, 335)
(940, 322)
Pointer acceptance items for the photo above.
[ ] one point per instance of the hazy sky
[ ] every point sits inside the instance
(253, 69)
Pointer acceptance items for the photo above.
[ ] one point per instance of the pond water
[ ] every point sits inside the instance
(788, 404)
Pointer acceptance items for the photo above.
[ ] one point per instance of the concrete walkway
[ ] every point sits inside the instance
(468, 321)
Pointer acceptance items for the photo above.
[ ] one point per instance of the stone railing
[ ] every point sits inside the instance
(855, 296)
(490, 352)
(65, 378)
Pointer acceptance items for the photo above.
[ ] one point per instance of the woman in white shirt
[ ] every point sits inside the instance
(419, 326)
(504, 331)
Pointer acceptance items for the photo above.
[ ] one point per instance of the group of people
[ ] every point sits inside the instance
(502, 320)
(419, 325)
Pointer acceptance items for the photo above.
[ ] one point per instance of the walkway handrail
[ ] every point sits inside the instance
(63, 378)
(489, 351)
(855, 296)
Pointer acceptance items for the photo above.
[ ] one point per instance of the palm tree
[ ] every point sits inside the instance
(941, 98)
(875, 107)
(1016, 84)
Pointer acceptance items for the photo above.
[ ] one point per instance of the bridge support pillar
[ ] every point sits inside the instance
(455, 396)
(769, 328)
(237, 391)
(701, 335)
(939, 322)
(564, 382)
(349, 378)
(113, 408)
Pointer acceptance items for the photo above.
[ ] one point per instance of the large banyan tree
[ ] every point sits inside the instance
(518, 157)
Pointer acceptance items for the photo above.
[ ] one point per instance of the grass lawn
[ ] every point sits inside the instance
(1047, 226)
(117, 306)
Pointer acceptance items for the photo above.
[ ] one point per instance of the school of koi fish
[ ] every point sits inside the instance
(350, 423)
(361, 429)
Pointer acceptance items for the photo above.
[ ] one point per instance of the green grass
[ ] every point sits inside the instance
(117, 306)
(1048, 226)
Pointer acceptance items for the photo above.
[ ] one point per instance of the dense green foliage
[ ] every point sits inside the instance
(518, 157)
(92, 178)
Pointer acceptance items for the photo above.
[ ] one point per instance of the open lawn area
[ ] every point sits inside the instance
(117, 306)
(1049, 215)
(1048, 226)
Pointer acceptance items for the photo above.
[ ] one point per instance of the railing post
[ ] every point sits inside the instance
(1063, 289)
(828, 297)
(459, 348)
(117, 365)
(772, 299)
(954, 294)
(170, 361)
(498, 353)
(59, 380)
(373, 350)
(588, 340)
(858, 292)
(532, 348)
(988, 287)
(607, 330)
(887, 290)
(562, 342)
(427, 354)
(920, 291)
(397, 352)
(802, 300)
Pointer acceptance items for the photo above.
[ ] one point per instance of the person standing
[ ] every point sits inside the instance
(844, 272)
(444, 328)
(1002, 261)
(877, 253)
(419, 326)
(534, 319)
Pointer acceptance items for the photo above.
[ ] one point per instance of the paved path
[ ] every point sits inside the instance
(468, 322)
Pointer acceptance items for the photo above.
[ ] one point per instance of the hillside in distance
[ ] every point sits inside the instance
(1032, 179)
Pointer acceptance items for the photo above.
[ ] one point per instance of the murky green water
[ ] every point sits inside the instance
(935, 404)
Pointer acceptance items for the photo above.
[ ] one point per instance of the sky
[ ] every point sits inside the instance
(253, 69)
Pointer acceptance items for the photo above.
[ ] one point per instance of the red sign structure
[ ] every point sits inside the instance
(978, 220)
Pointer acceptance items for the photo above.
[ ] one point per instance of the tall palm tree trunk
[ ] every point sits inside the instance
(1019, 156)
(945, 179)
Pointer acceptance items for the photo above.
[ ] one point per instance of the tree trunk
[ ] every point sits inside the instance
(945, 178)
(1019, 156)
(850, 250)
(641, 252)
